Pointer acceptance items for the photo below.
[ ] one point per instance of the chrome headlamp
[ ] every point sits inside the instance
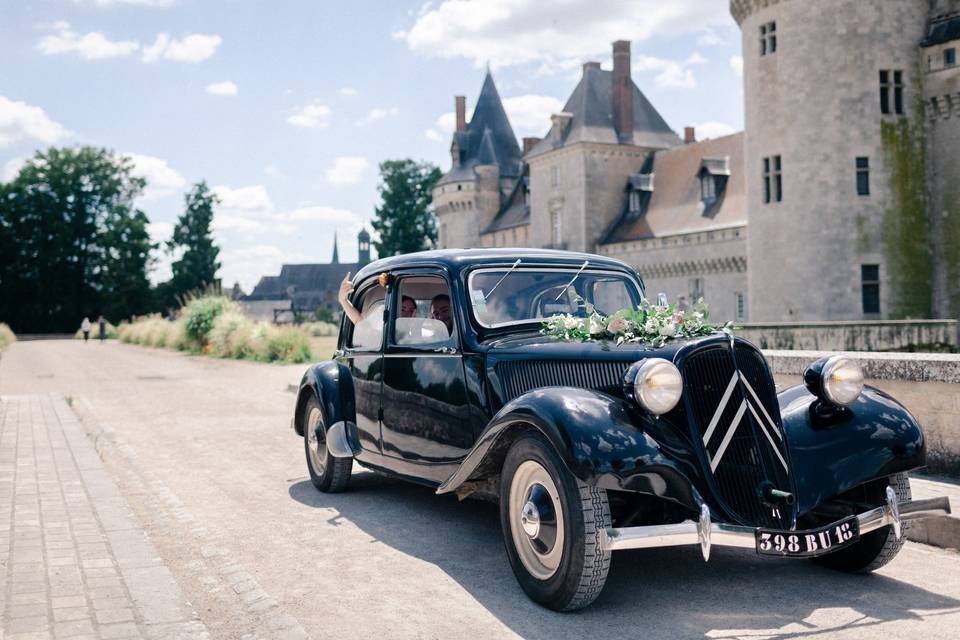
(837, 380)
(655, 384)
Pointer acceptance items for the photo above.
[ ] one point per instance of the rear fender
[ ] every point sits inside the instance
(331, 383)
(874, 438)
(599, 438)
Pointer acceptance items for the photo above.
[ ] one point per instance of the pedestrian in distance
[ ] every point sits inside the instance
(103, 328)
(85, 327)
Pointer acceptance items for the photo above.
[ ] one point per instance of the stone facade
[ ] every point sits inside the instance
(816, 119)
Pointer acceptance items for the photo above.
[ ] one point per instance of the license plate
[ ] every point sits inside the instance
(810, 543)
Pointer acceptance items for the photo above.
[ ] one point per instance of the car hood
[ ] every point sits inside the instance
(534, 346)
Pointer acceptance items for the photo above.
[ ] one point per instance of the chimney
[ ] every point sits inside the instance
(622, 91)
(529, 143)
(590, 65)
(461, 112)
(689, 135)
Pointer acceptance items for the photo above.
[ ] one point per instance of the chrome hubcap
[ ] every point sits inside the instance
(536, 520)
(316, 445)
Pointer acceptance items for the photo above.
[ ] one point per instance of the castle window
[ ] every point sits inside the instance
(870, 287)
(696, 289)
(739, 306)
(556, 229)
(772, 180)
(768, 38)
(708, 187)
(634, 201)
(950, 57)
(554, 176)
(891, 91)
(863, 176)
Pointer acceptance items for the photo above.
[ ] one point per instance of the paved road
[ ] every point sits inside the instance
(203, 453)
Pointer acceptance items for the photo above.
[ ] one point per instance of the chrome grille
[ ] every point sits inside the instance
(521, 376)
(740, 450)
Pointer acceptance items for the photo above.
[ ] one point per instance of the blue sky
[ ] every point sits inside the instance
(286, 108)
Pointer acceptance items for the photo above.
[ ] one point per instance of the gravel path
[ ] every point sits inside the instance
(203, 453)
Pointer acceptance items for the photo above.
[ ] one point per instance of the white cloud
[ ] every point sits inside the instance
(347, 170)
(530, 113)
(225, 88)
(670, 73)
(377, 114)
(244, 200)
(513, 32)
(160, 232)
(433, 135)
(18, 121)
(711, 129)
(250, 210)
(347, 91)
(89, 46)
(11, 168)
(736, 63)
(162, 179)
(195, 47)
(313, 116)
(322, 214)
(709, 38)
(247, 264)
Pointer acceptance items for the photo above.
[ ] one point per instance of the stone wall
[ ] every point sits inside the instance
(886, 335)
(928, 385)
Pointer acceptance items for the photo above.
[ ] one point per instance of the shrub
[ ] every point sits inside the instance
(288, 345)
(176, 337)
(322, 329)
(221, 337)
(200, 314)
(7, 337)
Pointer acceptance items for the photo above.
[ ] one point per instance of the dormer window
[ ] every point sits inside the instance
(713, 176)
(634, 201)
(639, 189)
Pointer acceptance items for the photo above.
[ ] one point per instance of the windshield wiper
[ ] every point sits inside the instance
(509, 271)
(569, 284)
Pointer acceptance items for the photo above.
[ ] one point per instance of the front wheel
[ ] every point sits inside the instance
(328, 473)
(876, 548)
(552, 527)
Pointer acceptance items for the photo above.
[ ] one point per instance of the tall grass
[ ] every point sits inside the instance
(7, 337)
(216, 326)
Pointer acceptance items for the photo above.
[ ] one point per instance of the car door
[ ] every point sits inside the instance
(425, 411)
(363, 354)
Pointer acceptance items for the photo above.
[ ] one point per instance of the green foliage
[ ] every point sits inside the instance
(7, 336)
(72, 243)
(112, 333)
(404, 220)
(199, 315)
(322, 329)
(324, 314)
(196, 269)
(215, 326)
(906, 223)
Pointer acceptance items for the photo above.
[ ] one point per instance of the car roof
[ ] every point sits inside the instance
(458, 259)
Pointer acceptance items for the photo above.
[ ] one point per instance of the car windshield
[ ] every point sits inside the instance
(535, 294)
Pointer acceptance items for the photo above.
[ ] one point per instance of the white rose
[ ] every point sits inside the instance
(650, 326)
(570, 322)
(596, 327)
(668, 330)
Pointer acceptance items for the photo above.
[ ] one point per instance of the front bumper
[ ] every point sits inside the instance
(708, 534)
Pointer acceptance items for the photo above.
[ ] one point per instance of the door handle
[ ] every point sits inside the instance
(447, 350)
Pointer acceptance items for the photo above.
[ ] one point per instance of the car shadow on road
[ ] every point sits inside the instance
(654, 593)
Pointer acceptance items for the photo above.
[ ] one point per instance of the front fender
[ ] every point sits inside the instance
(332, 385)
(873, 438)
(599, 438)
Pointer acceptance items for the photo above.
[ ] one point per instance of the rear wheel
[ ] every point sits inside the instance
(328, 474)
(552, 527)
(876, 548)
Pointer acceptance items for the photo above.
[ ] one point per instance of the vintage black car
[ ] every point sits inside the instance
(591, 447)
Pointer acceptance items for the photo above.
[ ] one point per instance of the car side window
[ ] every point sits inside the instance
(424, 313)
(368, 332)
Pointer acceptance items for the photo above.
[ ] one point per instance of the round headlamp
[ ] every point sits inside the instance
(656, 384)
(837, 379)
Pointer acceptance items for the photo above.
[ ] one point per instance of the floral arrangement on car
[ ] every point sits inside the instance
(653, 324)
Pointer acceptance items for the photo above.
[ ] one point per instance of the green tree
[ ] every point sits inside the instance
(196, 269)
(404, 220)
(72, 243)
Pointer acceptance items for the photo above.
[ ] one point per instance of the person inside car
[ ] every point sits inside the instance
(440, 310)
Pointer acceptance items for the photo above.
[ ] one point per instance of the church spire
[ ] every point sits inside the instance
(336, 257)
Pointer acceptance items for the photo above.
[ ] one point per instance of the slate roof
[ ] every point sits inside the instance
(514, 212)
(591, 104)
(313, 285)
(488, 138)
(942, 30)
(675, 205)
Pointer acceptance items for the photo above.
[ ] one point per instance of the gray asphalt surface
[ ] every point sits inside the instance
(203, 452)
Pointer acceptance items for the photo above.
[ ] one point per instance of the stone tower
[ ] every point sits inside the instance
(363, 247)
(485, 168)
(825, 83)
